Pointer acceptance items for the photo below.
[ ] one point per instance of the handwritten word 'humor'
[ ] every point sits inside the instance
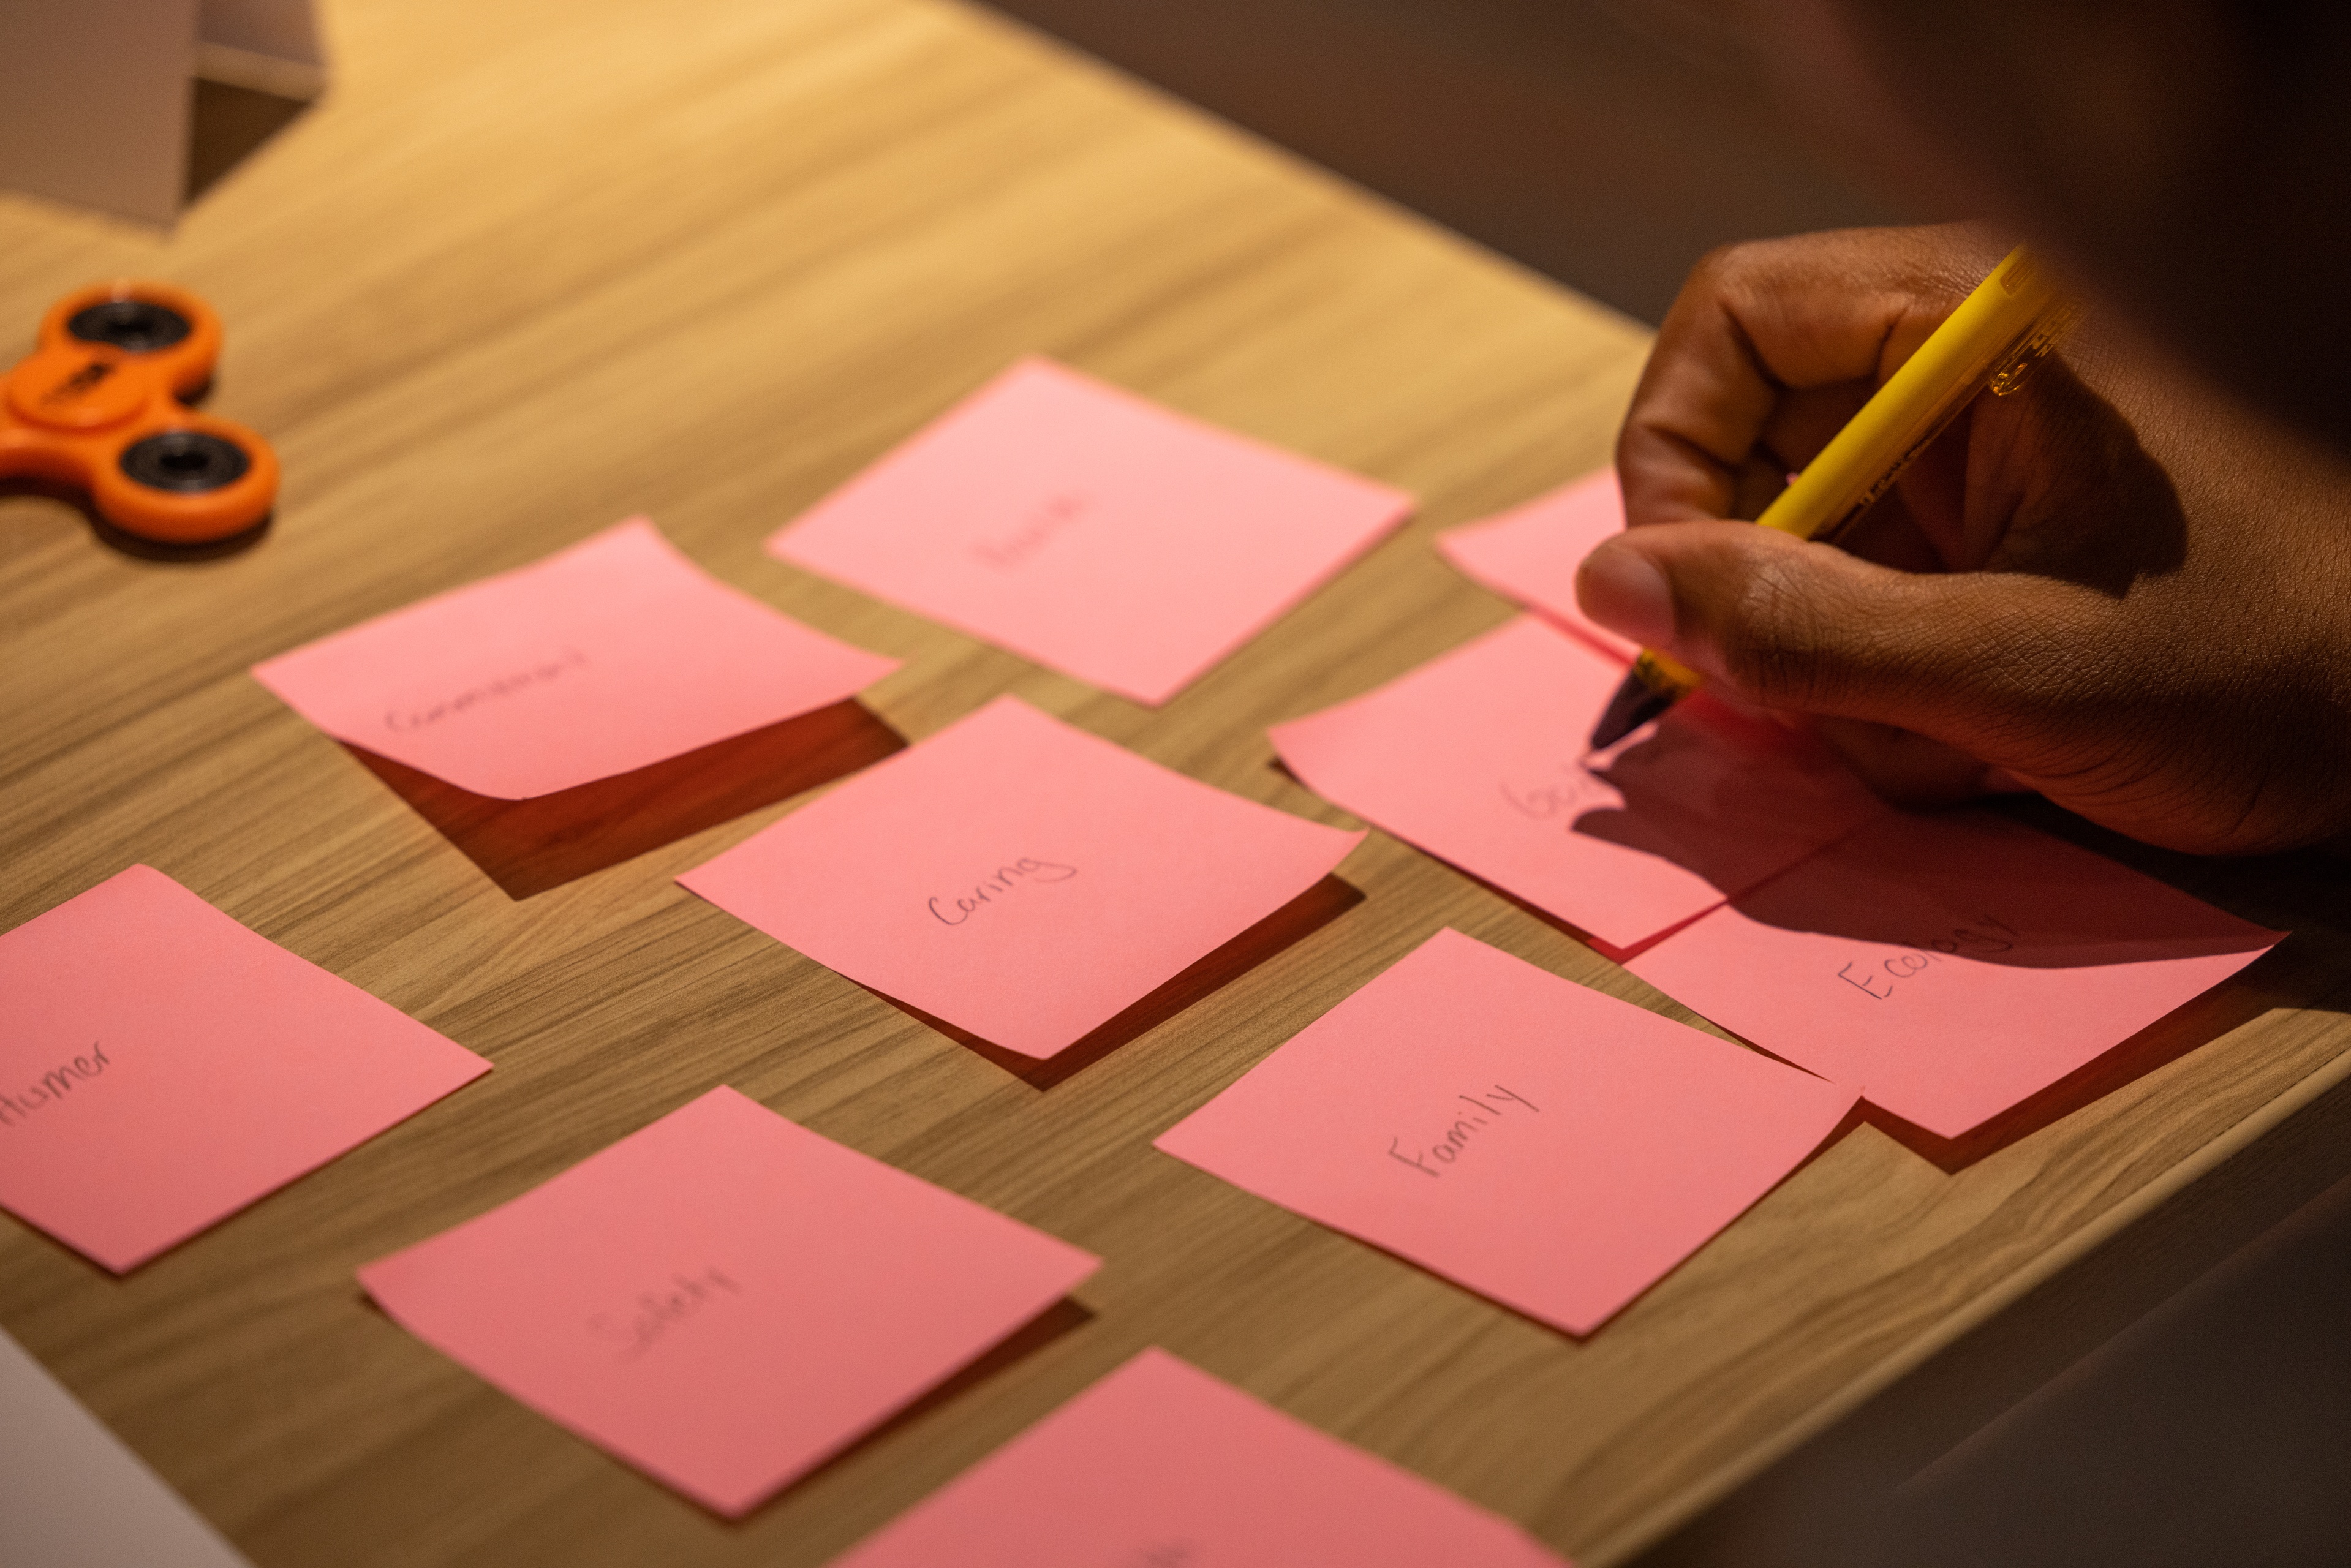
(1032, 533)
(657, 1311)
(52, 1086)
(1989, 934)
(401, 720)
(1004, 879)
(1483, 1113)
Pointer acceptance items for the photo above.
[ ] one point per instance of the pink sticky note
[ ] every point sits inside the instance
(1529, 553)
(723, 1298)
(162, 1067)
(1949, 967)
(1479, 758)
(1091, 532)
(1542, 1143)
(1160, 1466)
(1018, 878)
(610, 656)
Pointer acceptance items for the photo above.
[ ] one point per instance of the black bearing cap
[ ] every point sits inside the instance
(190, 461)
(135, 326)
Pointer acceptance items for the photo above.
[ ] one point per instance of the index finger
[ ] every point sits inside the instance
(1760, 343)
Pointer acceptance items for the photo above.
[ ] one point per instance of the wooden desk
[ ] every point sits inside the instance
(539, 264)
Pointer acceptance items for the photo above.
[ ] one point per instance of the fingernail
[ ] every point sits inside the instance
(1624, 590)
(2001, 782)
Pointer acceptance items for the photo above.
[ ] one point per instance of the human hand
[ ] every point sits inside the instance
(2113, 585)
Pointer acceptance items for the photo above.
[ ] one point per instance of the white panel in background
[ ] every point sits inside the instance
(71, 1494)
(270, 46)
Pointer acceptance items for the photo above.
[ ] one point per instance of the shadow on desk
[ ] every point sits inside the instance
(1285, 928)
(529, 846)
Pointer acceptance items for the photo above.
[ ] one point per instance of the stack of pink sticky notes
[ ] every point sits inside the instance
(162, 1067)
(1531, 553)
(1948, 967)
(610, 656)
(1078, 525)
(724, 1298)
(1018, 878)
(1481, 757)
(1160, 1466)
(1543, 1144)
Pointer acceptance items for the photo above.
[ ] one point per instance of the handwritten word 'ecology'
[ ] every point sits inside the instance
(53, 1086)
(1988, 935)
(1482, 1115)
(658, 1312)
(403, 720)
(1004, 879)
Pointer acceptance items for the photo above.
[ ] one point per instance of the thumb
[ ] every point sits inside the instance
(1790, 624)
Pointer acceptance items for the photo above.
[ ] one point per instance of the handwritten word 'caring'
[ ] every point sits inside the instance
(1028, 868)
(401, 720)
(658, 1312)
(1988, 935)
(53, 1086)
(1467, 1127)
(1036, 528)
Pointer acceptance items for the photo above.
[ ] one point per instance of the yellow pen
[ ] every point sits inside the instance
(1999, 333)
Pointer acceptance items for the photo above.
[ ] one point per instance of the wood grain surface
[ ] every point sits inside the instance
(535, 265)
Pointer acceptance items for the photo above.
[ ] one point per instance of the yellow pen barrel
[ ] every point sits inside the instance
(1991, 330)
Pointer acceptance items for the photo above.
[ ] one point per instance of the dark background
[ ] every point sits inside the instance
(1606, 142)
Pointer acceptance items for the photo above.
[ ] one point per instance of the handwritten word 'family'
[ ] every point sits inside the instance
(1988, 935)
(52, 1086)
(401, 720)
(1467, 1125)
(1036, 528)
(1577, 790)
(1004, 879)
(658, 1312)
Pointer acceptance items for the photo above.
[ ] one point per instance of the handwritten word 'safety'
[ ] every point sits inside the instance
(1485, 1108)
(1026, 870)
(506, 686)
(1988, 935)
(52, 1086)
(658, 1312)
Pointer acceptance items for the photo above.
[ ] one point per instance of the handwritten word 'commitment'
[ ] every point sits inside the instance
(658, 1312)
(1032, 533)
(1482, 1115)
(1002, 880)
(400, 721)
(1988, 935)
(53, 1086)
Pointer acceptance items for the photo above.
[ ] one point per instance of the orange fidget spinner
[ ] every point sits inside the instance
(100, 406)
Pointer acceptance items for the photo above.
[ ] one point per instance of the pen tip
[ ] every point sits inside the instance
(1634, 705)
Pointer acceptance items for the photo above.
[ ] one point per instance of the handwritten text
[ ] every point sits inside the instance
(1483, 1110)
(53, 1086)
(1035, 529)
(1986, 935)
(657, 1311)
(1004, 879)
(402, 720)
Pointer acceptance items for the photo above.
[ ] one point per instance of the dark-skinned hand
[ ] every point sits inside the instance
(2113, 587)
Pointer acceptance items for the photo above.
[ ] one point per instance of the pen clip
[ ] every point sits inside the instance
(2046, 335)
